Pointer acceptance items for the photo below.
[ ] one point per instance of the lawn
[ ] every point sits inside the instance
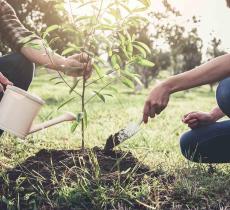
(180, 184)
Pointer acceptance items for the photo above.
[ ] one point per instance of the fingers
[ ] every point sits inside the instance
(191, 119)
(146, 112)
(88, 71)
(1, 88)
(151, 111)
(190, 116)
(84, 63)
(82, 57)
(187, 114)
(4, 80)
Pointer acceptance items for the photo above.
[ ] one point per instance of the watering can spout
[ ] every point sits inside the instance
(68, 116)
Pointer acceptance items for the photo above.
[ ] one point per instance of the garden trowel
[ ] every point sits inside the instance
(122, 135)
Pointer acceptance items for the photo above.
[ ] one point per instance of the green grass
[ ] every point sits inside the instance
(156, 145)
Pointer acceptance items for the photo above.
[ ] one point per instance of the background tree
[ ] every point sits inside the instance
(214, 51)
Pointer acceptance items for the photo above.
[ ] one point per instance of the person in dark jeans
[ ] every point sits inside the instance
(17, 68)
(208, 141)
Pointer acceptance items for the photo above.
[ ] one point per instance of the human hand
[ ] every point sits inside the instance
(196, 119)
(4, 81)
(78, 65)
(156, 102)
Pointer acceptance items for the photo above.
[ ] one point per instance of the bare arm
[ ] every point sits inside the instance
(43, 55)
(217, 114)
(212, 71)
(73, 65)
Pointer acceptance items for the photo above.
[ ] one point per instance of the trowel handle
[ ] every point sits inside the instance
(68, 116)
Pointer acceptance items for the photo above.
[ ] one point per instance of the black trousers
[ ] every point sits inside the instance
(18, 69)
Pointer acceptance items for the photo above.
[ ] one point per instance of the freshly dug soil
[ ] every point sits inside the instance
(49, 165)
(60, 162)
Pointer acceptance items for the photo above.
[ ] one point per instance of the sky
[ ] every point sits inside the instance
(214, 16)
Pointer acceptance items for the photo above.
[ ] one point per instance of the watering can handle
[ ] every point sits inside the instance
(68, 116)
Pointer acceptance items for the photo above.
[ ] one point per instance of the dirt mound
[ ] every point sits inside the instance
(48, 168)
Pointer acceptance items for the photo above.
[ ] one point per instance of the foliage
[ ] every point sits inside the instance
(102, 32)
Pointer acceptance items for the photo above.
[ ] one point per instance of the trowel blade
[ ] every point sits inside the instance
(122, 135)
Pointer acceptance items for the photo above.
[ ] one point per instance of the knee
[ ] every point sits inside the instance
(223, 96)
(188, 145)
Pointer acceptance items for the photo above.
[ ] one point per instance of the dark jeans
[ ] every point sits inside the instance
(18, 70)
(211, 143)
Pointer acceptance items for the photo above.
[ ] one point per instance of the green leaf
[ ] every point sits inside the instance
(54, 78)
(49, 30)
(122, 39)
(129, 75)
(128, 36)
(68, 51)
(113, 89)
(26, 39)
(127, 82)
(83, 18)
(58, 83)
(100, 96)
(52, 28)
(140, 9)
(98, 70)
(147, 3)
(116, 13)
(138, 80)
(74, 126)
(126, 7)
(107, 94)
(141, 50)
(130, 49)
(114, 61)
(66, 102)
(143, 45)
(74, 85)
(110, 53)
(145, 63)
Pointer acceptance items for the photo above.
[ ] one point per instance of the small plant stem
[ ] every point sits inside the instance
(84, 82)
(83, 111)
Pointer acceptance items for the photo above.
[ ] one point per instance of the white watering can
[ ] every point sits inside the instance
(18, 110)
